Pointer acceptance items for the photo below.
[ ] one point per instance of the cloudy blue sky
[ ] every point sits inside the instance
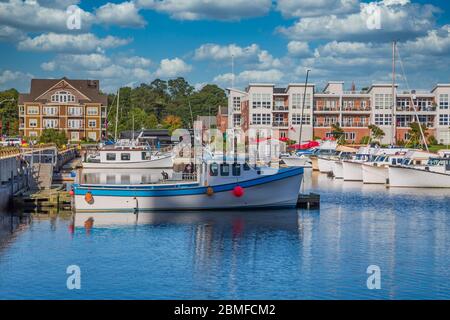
(130, 42)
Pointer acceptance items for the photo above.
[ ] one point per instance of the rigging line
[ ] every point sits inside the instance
(412, 102)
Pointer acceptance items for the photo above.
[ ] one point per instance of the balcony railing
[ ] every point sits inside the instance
(407, 124)
(366, 109)
(354, 124)
(280, 124)
(324, 109)
(280, 108)
(324, 124)
(411, 109)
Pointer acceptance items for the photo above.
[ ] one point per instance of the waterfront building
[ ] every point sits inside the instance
(265, 106)
(76, 107)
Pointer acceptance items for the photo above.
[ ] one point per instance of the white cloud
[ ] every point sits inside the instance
(397, 21)
(436, 42)
(298, 48)
(209, 9)
(243, 78)
(267, 61)
(172, 67)
(10, 34)
(123, 14)
(212, 51)
(77, 43)
(33, 17)
(48, 66)
(135, 61)
(311, 8)
(14, 79)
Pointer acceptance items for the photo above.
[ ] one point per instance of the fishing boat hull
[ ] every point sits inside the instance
(373, 174)
(297, 161)
(352, 171)
(159, 163)
(338, 170)
(417, 178)
(271, 191)
(325, 165)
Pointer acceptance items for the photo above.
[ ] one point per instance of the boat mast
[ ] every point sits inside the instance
(303, 107)
(117, 115)
(394, 120)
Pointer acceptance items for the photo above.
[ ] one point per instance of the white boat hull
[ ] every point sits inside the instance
(325, 165)
(417, 178)
(338, 170)
(297, 161)
(374, 174)
(165, 162)
(281, 191)
(352, 171)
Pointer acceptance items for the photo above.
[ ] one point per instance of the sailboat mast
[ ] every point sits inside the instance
(394, 103)
(117, 114)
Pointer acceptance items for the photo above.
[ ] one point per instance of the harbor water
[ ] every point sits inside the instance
(282, 254)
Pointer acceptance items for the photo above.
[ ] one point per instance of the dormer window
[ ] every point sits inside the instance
(63, 97)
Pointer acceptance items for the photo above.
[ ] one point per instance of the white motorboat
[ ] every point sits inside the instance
(216, 186)
(376, 171)
(127, 155)
(352, 170)
(296, 161)
(326, 164)
(436, 174)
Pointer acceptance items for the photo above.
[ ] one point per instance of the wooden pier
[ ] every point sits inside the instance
(54, 199)
(308, 201)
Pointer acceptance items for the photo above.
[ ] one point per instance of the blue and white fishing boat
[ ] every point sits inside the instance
(218, 185)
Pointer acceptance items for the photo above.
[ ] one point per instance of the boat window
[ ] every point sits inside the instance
(144, 155)
(111, 156)
(236, 169)
(125, 156)
(224, 169)
(394, 161)
(213, 169)
(110, 179)
(125, 179)
(246, 167)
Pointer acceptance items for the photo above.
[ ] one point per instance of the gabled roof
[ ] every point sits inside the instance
(89, 88)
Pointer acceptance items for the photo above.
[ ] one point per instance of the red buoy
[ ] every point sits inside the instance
(238, 191)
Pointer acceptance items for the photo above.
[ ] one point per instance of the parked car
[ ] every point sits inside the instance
(11, 142)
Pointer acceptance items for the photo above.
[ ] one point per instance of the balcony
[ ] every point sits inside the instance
(279, 124)
(354, 125)
(418, 109)
(407, 124)
(280, 108)
(75, 114)
(324, 124)
(326, 109)
(356, 109)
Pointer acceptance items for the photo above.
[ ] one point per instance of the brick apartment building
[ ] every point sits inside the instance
(76, 107)
(265, 106)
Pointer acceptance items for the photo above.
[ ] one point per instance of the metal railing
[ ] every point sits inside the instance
(280, 124)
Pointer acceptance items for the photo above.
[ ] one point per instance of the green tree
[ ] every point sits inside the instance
(9, 113)
(376, 132)
(338, 133)
(53, 136)
(415, 136)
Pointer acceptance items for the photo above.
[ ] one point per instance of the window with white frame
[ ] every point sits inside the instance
(349, 136)
(32, 134)
(444, 120)
(297, 101)
(51, 123)
(32, 110)
(75, 111)
(383, 119)
(261, 118)
(403, 104)
(423, 103)
(92, 123)
(262, 100)
(32, 123)
(237, 103)
(74, 124)
(51, 111)
(236, 120)
(297, 118)
(63, 97)
(443, 101)
(383, 101)
(92, 111)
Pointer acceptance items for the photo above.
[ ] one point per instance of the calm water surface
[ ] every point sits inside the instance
(287, 254)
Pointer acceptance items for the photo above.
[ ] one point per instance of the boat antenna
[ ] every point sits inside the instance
(394, 120)
(117, 114)
(303, 106)
(412, 101)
